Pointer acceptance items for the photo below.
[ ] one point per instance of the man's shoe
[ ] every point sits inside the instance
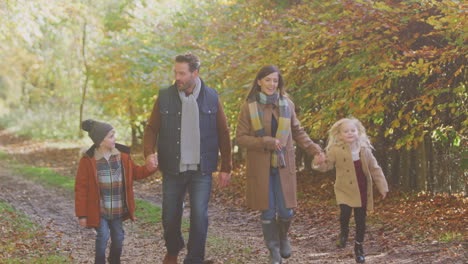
(168, 259)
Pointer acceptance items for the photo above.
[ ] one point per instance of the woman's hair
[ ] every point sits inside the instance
(334, 139)
(265, 71)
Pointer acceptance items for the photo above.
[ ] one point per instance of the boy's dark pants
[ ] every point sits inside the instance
(114, 230)
(359, 218)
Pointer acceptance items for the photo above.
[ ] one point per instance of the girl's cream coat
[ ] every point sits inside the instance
(346, 185)
(259, 153)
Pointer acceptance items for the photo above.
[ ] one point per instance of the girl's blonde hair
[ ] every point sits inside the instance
(334, 139)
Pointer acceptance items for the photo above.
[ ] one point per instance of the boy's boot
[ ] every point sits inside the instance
(359, 252)
(270, 234)
(168, 259)
(283, 228)
(343, 237)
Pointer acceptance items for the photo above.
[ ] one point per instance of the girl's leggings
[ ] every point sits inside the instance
(359, 218)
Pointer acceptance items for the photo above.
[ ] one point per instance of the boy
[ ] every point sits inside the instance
(104, 188)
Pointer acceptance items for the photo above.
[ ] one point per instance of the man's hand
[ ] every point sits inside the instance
(152, 162)
(223, 179)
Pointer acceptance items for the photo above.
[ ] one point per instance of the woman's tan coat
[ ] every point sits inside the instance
(346, 185)
(259, 156)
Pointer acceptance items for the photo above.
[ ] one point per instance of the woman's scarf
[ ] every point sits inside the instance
(284, 123)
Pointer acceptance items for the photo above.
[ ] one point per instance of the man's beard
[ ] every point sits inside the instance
(183, 87)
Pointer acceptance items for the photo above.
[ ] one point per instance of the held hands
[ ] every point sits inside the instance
(223, 179)
(152, 162)
(319, 159)
(82, 221)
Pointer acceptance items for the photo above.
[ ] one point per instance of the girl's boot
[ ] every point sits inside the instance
(359, 252)
(285, 246)
(272, 242)
(343, 237)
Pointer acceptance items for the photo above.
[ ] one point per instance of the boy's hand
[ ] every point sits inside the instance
(83, 221)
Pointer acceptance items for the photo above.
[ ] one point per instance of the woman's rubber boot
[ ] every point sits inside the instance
(270, 234)
(343, 237)
(359, 252)
(285, 245)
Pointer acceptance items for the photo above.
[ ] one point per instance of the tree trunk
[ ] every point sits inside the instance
(441, 174)
(405, 163)
(412, 169)
(84, 88)
(132, 123)
(421, 169)
(395, 168)
(430, 163)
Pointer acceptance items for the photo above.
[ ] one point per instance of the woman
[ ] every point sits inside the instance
(267, 126)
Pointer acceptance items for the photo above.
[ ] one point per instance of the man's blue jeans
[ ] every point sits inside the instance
(114, 230)
(276, 199)
(175, 187)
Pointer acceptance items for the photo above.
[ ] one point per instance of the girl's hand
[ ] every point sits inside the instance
(384, 195)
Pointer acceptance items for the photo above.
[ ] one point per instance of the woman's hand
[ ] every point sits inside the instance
(319, 159)
(278, 145)
(384, 194)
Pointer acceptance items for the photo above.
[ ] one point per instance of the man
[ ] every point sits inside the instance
(188, 126)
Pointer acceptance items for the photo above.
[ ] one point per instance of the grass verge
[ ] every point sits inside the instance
(148, 215)
(22, 241)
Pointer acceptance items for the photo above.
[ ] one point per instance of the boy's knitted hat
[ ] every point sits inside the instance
(97, 131)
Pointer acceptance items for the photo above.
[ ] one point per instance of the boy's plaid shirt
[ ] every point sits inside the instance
(111, 185)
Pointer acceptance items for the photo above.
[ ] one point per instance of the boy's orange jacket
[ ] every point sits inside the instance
(87, 196)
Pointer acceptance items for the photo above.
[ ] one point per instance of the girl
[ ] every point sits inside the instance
(349, 151)
(267, 126)
(104, 189)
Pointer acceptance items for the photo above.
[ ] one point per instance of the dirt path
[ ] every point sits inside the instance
(234, 234)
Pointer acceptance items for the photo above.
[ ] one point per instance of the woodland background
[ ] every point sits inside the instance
(398, 66)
